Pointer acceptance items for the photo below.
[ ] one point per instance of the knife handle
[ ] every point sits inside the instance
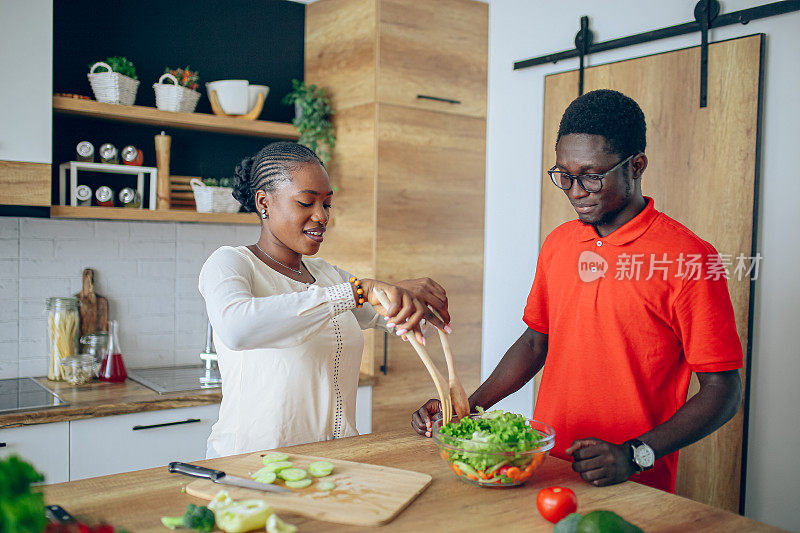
(196, 471)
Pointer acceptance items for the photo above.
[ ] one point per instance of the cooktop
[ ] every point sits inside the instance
(23, 394)
(171, 379)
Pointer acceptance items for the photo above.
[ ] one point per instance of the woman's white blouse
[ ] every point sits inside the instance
(289, 352)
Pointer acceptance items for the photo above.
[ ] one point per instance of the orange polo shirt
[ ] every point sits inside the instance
(628, 316)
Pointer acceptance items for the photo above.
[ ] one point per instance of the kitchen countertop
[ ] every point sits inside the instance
(136, 500)
(98, 399)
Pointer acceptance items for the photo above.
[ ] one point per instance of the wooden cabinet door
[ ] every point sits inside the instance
(23, 183)
(26, 60)
(430, 196)
(45, 446)
(433, 49)
(701, 172)
(114, 444)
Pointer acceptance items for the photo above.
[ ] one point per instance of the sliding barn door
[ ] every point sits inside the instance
(702, 169)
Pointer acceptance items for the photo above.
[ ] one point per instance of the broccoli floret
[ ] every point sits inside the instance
(197, 517)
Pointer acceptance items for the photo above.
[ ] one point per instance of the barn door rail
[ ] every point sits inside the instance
(706, 16)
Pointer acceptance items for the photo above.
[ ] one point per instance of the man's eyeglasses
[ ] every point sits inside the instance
(588, 182)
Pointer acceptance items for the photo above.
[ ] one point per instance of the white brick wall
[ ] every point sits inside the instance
(147, 270)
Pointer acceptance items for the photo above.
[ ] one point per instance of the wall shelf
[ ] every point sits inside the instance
(157, 215)
(191, 121)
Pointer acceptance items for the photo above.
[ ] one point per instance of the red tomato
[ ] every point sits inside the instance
(554, 503)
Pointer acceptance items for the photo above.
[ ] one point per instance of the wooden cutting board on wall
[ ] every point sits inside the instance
(94, 308)
(365, 495)
(702, 172)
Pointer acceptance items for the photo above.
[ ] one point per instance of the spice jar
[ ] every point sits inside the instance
(62, 333)
(130, 198)
(95, 344)
(105, 196)
(79, 369)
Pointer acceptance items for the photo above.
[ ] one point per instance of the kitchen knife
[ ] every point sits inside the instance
(218, 476)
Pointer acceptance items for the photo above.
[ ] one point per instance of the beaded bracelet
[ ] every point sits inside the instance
(359, 291)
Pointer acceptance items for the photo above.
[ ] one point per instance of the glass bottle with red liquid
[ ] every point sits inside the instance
(113, 368)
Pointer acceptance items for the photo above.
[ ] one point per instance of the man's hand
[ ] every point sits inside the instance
(421, 419)
(432, 295)
(601, 463)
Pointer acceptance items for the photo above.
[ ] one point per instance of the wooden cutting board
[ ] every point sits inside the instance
(365, 495)
(94, 308)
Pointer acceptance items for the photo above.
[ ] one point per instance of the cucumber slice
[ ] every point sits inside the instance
(292, 474)
(320, 468)
(299, 484)
(466, 469)
(274, 457)
(496, 468)
(326, 485)
(264, 476)
(277, 466)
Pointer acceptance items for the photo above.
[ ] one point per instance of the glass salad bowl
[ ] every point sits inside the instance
(494, 449)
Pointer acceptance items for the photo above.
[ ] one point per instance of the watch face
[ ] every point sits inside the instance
(644, 456)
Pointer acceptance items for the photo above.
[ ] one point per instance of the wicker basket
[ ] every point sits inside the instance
(112, 87)
(174, 97)
(213, 199)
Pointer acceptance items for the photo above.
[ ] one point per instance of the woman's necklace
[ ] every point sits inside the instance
(300, 271)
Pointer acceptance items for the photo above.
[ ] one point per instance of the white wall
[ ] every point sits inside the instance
(520, 30)
(147, 270)
(26, 56)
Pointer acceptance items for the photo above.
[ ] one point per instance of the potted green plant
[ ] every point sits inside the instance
(312, 113)
(114, 81)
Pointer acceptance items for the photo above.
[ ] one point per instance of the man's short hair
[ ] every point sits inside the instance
(610, 114)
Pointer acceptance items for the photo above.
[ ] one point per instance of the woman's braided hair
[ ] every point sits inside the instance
(272, 165)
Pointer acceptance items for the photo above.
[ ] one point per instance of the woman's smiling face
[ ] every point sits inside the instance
(299, 209)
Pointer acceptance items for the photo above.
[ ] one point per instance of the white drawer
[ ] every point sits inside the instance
(113, 444)
(45, 446)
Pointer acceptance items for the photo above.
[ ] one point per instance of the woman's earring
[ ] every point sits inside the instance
(264, 213)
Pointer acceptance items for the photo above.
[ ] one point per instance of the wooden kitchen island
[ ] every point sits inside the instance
(137, 500)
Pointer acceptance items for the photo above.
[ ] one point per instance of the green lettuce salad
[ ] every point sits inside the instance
(491, 440)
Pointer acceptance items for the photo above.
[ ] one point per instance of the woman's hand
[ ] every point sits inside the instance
(406, 310)
(432, 295)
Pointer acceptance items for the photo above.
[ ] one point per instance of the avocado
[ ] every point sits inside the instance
(606, 522)
(568, 524)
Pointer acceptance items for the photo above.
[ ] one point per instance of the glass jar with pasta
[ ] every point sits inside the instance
(62, 334)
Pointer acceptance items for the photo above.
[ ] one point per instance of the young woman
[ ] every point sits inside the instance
(287, 329)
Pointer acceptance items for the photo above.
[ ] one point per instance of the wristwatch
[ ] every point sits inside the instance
(642, 455)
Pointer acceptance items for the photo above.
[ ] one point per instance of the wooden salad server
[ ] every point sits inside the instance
(436, 376)
(458, 396)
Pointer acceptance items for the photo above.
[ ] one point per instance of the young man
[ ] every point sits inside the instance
(626, 303)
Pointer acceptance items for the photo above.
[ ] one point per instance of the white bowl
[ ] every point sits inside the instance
(232, 95)
(252, 95)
